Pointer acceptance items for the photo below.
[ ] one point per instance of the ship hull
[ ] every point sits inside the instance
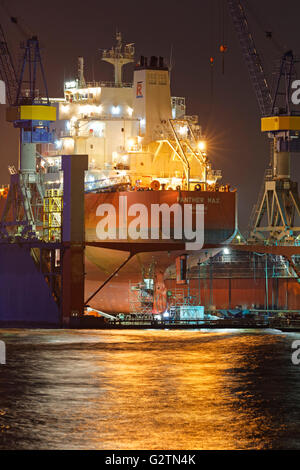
(115, 297)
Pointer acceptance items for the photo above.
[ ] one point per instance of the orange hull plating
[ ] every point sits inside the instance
(247, 293)
(219, 223)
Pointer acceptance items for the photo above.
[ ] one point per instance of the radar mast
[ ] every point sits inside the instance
(119, 56)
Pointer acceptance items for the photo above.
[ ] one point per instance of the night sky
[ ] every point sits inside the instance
(194, 30)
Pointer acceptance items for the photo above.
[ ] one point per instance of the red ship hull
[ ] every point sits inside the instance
(219, 226)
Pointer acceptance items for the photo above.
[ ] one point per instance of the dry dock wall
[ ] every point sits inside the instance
(229, 293)
(25, 297)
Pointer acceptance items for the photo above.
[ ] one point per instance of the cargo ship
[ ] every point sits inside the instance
(144, 149)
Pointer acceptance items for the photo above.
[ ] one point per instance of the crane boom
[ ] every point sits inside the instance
(7, 69)
(251, 56)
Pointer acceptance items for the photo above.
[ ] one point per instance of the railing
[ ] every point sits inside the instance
(168, 323)
(104, 84)
(113, 54)
(285, 324)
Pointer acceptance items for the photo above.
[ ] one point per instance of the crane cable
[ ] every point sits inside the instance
(212, 59)
(222, 35)
(212, 41)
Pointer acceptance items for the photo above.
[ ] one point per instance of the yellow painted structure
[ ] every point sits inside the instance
(280, 123)
(31, 113)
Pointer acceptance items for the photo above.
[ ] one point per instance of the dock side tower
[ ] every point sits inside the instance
(276, 215)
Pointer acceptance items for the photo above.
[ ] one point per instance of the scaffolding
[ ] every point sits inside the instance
(141, 297)
(52, 215)
(141, 294)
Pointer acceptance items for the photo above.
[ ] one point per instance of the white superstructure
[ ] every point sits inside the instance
(135, 132)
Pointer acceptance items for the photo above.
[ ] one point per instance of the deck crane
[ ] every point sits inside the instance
(274, 218)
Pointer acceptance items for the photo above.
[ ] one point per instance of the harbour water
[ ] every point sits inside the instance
(167, 390)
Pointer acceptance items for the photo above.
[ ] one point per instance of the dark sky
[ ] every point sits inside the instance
(228, 112)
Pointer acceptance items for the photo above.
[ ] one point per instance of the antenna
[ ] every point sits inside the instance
(171, 63)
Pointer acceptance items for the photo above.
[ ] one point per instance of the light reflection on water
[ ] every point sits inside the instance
(149, 390)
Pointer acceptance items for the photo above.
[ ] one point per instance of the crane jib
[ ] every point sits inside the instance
(251, 56)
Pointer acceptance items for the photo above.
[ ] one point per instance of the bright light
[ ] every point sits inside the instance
(65, 108)
(202, 145)
(89, 181)
(58, 144)
(130, 143)
(68, 126)
(69, 144)
(143, 122)
(115, 110)
(115, 156)
(70, 84)
(183, 130)
(129, 111)
(125, 158)
(226, 251)
(87, 109)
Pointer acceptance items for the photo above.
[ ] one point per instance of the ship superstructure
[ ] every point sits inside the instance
(135, 134)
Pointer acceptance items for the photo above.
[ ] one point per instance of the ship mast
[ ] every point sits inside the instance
(119, 56)
(80, 74)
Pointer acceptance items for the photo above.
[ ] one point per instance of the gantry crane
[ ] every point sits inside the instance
(276, 215)
(28, 110)
(32, 114)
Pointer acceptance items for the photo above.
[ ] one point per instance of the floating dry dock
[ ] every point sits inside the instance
(114, 142)
(42, 284)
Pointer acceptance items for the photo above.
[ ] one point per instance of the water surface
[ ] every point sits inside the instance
(209, 389)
